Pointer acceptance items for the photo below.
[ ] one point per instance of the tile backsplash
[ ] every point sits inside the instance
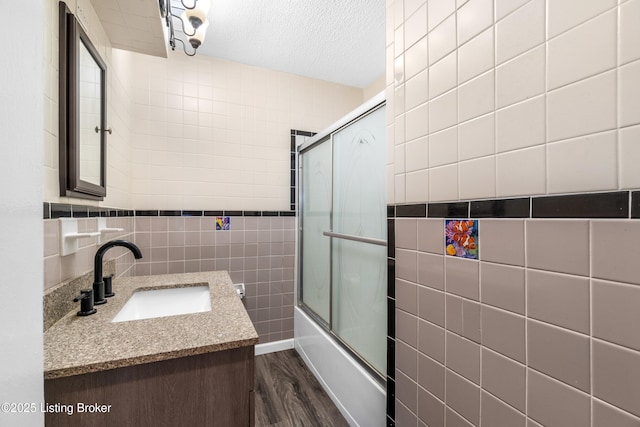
(258, 250)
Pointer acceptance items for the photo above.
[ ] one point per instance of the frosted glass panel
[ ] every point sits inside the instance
(316, 208)
(359, 199)
(360, 299)
(360, 209)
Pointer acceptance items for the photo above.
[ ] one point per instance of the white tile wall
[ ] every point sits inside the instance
(533, 96)
(214, 134)
(119, 115)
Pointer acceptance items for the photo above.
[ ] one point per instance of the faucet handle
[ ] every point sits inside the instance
(86, 302)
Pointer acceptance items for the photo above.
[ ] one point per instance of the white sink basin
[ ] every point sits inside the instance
(165, 302)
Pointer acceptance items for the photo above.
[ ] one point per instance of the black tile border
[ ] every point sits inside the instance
(293, 156)
(411, 211)
(448, 210)
(635, 204)
(62, 210)
(612, 204)
(591, 205)
(506, 208)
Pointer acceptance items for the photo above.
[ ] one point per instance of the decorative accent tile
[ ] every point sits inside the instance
(223, 223)
(461, 238)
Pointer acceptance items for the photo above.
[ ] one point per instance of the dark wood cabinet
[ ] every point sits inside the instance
(212, 389)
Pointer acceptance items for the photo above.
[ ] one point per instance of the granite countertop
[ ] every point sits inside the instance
(77, 345)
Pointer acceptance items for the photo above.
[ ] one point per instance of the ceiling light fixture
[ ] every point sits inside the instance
(193, 20)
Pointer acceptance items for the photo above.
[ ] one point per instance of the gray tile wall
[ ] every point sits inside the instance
(256, 251)
(58, 268)
(543, 330)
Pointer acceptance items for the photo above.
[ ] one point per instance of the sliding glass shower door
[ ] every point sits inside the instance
(343, 270)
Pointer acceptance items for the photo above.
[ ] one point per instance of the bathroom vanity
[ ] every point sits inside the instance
(190, 369)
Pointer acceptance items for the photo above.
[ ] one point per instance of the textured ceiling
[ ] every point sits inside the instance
(342, 41)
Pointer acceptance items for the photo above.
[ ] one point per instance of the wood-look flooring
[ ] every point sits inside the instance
(288, 395)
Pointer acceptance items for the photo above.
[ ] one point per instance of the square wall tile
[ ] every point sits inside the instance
(453, 419)
(502, 286)
(629, 31)
(431, 375)
(463, 396)
(503, 241)
(430, 409)
(476, 137)
(407, 328)
(555, 245)
(565, 15)
(553, 403)
(443, 147)
(417, 186)
(431, 270)
(504, 378)
(615, 251)
(615, 313)
(416, 59)
(616, 376)
(582, 108)
(521, 172)
(559, 353)
(462, 277)
(503, 332)
(520, 31)
(583, 164)
(417, 123)
(431, 340)
(463, 357)
(438, 10)
(407, 360)
(406, 233)
(417, 90)
(474, 17)
(505, 7)
(630, 94)
(495, 412)
(431, 305)
(559, 299)
(476, 56)
(415, 27)
(607, 415)
(406, 391)
(431, 235)
(629, 151)
(443, 183)
(417, 155)
(442, 75)
(521, 78)
(442, 39)
(406, 265)
(583, 51)
(407, 296)
(521, 125)
(443, 111)
(478, 178)
(476, 97)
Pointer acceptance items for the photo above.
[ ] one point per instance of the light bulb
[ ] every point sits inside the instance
(198, 38)
(198, 15)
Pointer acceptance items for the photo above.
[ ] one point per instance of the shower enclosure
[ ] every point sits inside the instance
(342, 244)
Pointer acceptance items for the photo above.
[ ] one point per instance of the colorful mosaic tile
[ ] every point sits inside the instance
(461, 238)
(223, 223)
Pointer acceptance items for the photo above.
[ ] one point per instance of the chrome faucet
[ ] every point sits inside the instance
(98, 280)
